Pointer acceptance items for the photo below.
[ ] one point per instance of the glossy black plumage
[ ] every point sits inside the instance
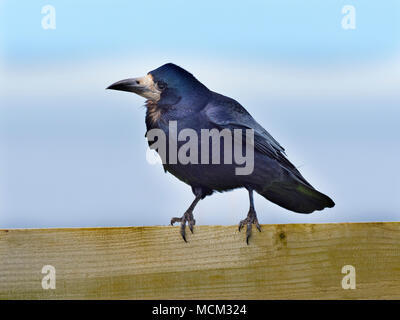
(185, 100)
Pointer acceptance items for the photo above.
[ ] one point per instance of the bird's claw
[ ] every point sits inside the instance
(186, 218)
(249, 221)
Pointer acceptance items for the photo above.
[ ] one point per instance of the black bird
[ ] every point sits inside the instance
(173, 94)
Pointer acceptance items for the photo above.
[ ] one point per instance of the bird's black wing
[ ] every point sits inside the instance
(225, 112)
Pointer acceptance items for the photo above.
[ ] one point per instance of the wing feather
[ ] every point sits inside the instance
(225, 112)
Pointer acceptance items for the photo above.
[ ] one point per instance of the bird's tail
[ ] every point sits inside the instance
(296, 196)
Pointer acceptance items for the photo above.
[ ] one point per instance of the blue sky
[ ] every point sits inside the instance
(73, 154)
(289, 30)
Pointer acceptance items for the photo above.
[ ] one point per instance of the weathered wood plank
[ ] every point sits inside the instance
(295, 261)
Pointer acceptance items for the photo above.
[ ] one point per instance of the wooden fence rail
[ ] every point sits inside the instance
(294, 261)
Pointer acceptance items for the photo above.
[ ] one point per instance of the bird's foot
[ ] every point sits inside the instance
(186, 218)
(249, 221)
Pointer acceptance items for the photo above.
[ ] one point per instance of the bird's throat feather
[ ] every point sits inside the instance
(153, 112)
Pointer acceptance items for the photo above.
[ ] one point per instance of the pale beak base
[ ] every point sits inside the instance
(143, 86)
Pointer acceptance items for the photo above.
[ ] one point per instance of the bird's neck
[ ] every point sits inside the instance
(153, 114)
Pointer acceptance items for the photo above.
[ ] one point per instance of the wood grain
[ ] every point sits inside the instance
(295, 261)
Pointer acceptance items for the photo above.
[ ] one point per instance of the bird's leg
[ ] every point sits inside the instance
(251, 218)
(187, 218)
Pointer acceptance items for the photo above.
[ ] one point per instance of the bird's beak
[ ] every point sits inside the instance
(143, 86)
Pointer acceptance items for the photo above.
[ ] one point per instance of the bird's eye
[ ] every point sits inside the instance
(161, 85)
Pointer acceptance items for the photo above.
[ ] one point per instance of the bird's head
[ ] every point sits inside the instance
(166, 85)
